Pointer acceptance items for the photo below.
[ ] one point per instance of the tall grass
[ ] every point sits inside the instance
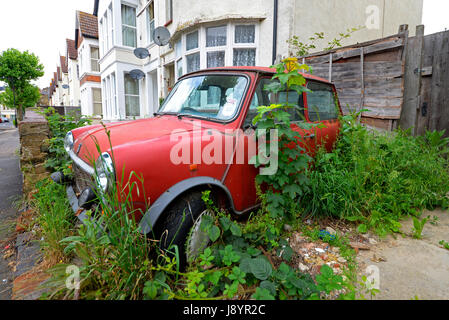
(114, 256)
(55, 219)
(379, 178)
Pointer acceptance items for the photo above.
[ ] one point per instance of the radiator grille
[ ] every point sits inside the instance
(82, 178)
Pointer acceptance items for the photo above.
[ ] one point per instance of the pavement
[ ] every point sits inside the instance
(10, 191)
(409, 268)
(6, 126)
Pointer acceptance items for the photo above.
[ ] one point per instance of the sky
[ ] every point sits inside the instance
(41, 26)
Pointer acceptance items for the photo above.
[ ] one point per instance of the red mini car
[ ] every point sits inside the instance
(199, 139)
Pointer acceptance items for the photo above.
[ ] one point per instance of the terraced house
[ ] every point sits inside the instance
(86, 43)
(73, 73)
(215, 33)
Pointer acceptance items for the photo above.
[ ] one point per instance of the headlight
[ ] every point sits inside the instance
(68, 141)
(105, 173)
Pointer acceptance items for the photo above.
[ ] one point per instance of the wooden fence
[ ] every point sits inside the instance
(399, 80)
(426, 96)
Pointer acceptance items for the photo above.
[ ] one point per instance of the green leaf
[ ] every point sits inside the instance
(215, 277)
(261, 268)
(269, 286)
(236, 230)
(262, 294)
(287, 253)
(150, 290)
(214, 233)
(253, 251)
(206, 222)
(362, 228)
(245, 265)
(225, 223)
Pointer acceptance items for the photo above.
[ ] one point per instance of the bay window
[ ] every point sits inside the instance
(129, 26)
(233, 44)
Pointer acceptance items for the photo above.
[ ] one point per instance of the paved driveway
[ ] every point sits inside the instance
(10, 190)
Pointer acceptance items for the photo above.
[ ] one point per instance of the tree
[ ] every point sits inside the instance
(17, 70)
(25, 97)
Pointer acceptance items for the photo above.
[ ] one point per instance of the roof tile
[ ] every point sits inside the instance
(88, 24)
(72, 53)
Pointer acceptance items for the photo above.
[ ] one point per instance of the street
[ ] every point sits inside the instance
(10, 191)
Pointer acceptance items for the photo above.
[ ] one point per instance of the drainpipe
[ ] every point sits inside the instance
(275, 30)
(96, 4)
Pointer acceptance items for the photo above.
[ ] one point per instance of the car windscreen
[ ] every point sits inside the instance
(216, 97)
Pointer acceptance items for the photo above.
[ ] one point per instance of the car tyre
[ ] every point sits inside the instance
(176, 227)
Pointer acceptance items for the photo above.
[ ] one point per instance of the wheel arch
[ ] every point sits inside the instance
(151, 217)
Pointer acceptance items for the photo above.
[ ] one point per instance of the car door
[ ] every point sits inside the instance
(248, 171)
(322, 107)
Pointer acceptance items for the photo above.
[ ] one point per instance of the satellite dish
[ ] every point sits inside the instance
(65, 86)
(137, 74)
(2, 88)
(141, 53)
(161, 36)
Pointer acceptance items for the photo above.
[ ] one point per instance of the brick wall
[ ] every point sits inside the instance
(34, 132)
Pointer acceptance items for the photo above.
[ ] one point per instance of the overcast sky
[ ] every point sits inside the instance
(42, 26)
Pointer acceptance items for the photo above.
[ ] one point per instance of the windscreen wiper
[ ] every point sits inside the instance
(181, 115)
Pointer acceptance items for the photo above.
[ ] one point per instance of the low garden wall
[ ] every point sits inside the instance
(34, 133)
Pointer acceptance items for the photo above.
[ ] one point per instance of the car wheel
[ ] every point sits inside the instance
(181, 227)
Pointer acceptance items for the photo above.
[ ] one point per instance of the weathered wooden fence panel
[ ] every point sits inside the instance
(439, 102)
(400, 81)
(427, 75)
(368, 76)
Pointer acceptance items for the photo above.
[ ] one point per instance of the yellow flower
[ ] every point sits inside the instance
(291, 63)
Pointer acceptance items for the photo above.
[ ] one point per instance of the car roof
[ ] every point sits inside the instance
(264, 70)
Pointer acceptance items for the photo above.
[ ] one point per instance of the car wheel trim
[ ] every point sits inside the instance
(197, 240)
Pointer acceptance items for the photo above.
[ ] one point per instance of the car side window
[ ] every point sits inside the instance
(321, 101)
(266, 98)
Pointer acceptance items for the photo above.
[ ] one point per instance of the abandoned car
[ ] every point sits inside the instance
(176, 152)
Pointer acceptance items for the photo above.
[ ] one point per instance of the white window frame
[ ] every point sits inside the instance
(92, 59)
(150, 40)
(132, 95)
(110, 27)
(126, 25)
(245, 45)
(229, 48)
(97, 102)
(103, 35)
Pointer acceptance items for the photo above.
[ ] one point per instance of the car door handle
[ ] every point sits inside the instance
(310, 136)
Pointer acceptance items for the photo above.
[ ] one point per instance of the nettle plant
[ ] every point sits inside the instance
(290, 182)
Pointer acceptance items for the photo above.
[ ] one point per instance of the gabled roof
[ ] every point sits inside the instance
(87, 24)
(64, 67)
(71, 53)
(58, 74)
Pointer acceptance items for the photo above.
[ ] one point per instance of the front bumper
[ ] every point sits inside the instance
(73, 200)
